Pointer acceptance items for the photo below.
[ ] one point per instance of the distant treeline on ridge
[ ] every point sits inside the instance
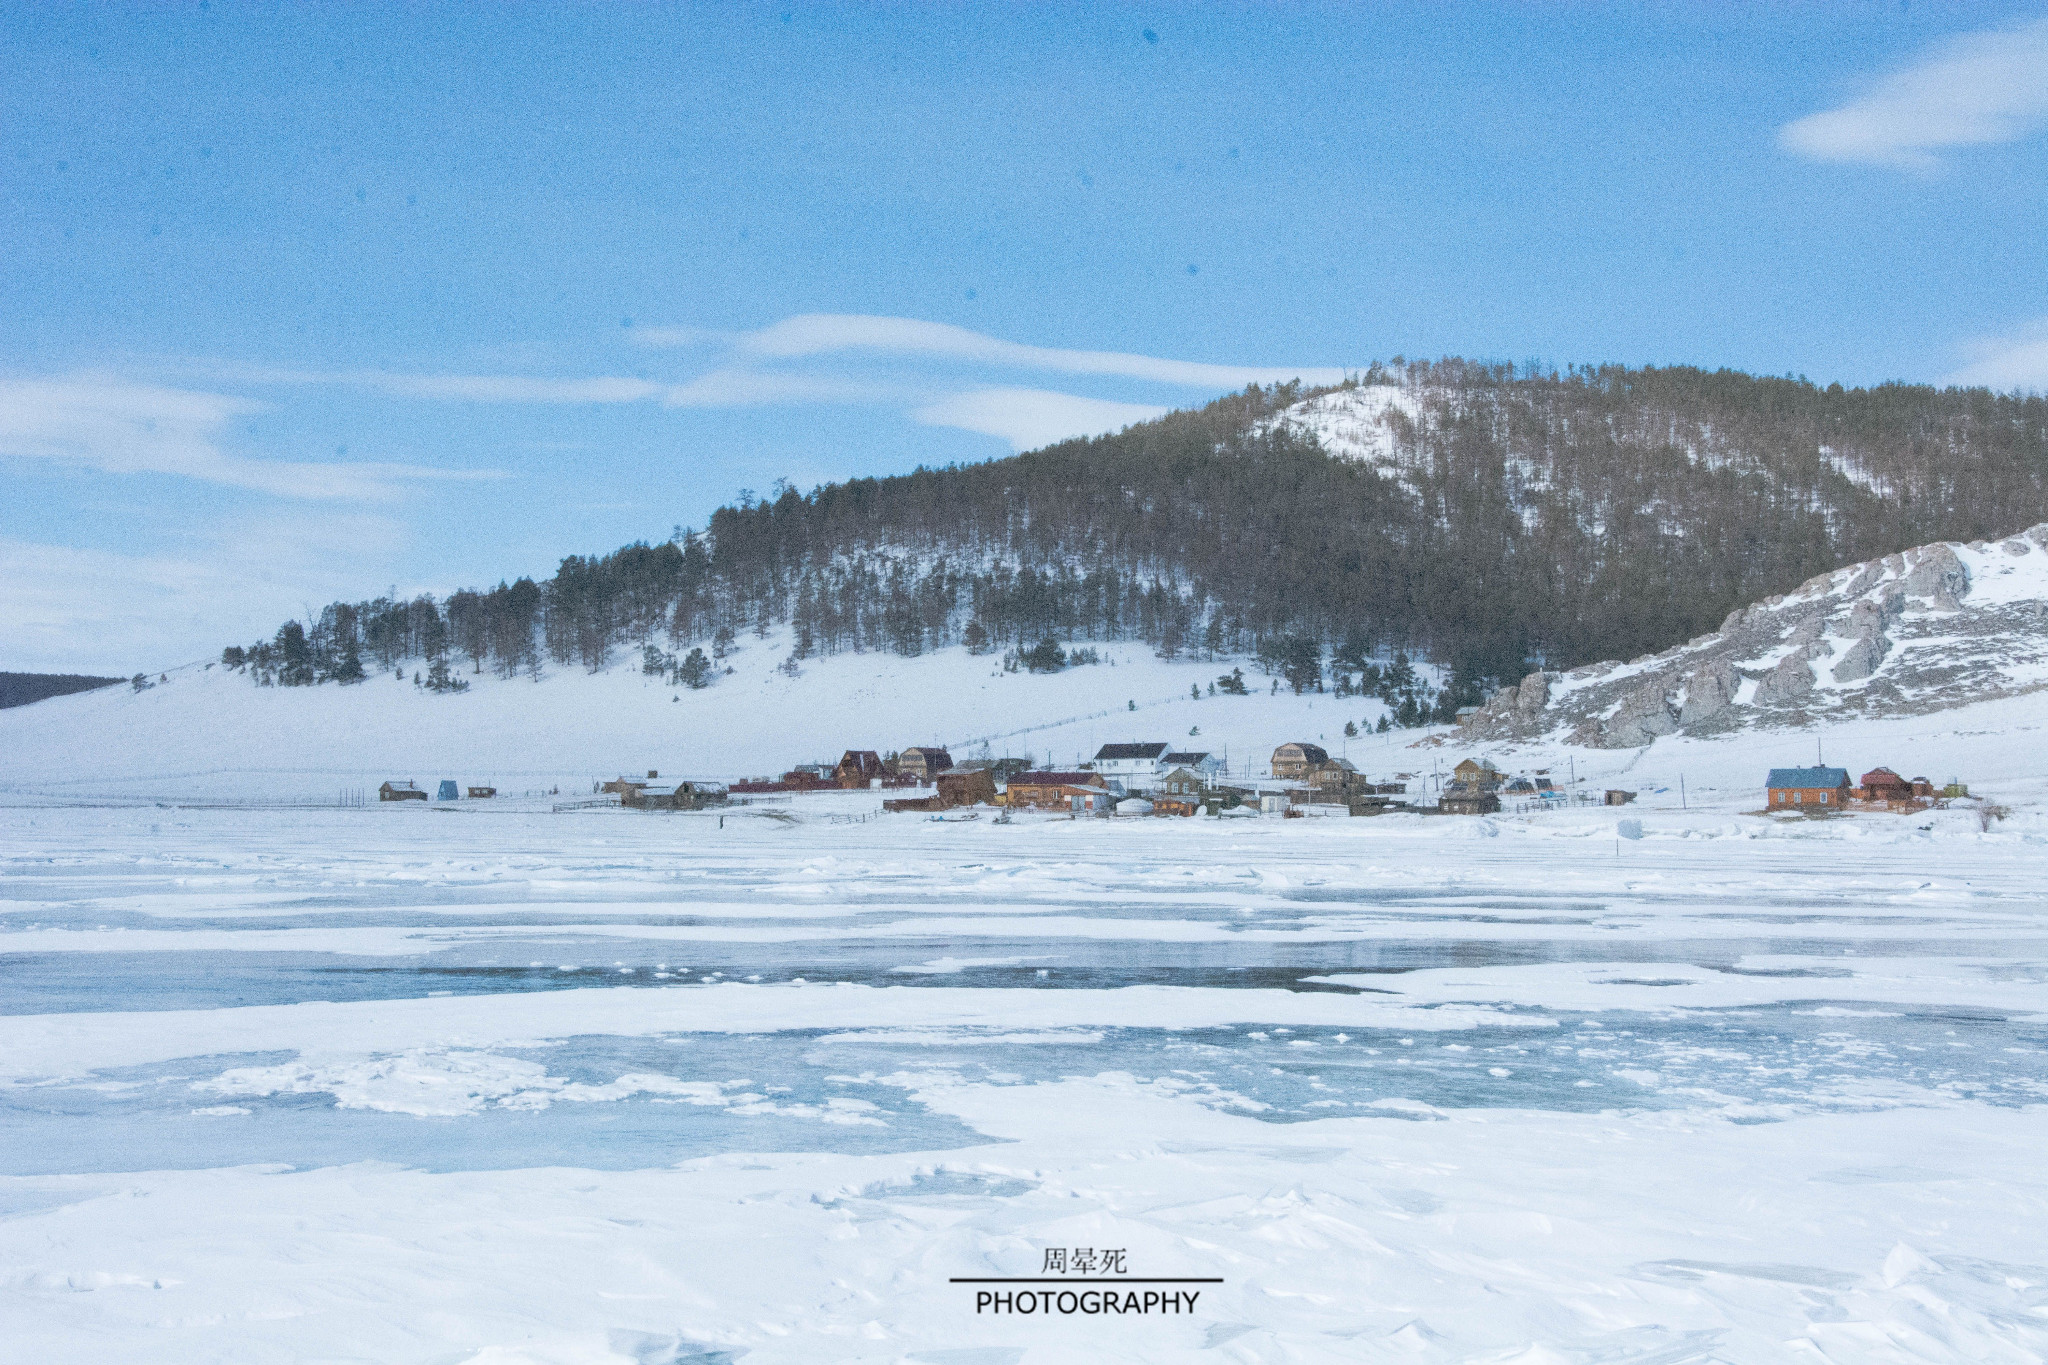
(1526, 519)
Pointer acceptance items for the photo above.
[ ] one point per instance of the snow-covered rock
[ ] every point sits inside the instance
(1936, 627)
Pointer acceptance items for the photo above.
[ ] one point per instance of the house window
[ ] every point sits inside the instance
(1798, 798)
(1822, 798)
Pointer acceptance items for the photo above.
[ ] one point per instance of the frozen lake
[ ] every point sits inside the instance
(497, 1085)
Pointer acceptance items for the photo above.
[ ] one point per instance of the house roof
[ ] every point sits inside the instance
(1115, 751)
(1314, 753)
(927, 750)
(1184, 760)
(406, 785)
(1883, 777)
(1052, 779)
(1808, 777)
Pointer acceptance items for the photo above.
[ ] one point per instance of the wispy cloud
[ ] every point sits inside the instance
(818, 334)
(1977, 89)
(121, 427)
(71, 608)
(2018, 360)
(742, 387)
(1029, 418)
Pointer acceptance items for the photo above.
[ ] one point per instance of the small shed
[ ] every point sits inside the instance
(1807, 788)
(967, 787)
(1882, 784)
(1468, 802)
(401, 791)
(479, 793)
(1616, 797)
(448, 791)
(1173, 805)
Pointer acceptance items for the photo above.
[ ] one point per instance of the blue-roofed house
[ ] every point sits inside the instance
(1808, 788)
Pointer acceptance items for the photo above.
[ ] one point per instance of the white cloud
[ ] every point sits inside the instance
(120, 427)
(1029, 418)
(729, 388)
(816, 334)
(1977, 89)
(74, 609)
(2016, 361)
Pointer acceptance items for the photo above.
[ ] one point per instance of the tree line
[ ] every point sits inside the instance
(1528, 518)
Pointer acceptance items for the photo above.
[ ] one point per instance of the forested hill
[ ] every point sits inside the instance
(1480, 516)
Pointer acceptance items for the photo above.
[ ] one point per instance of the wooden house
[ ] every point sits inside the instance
(1334, 779)
(1467, 801)
(622, 787)
(401, 791)
(1882, 784)
(1616, 797)
(1182, 782)
(1174, 805)
(478, 793)
(1472, 773)
(1050, 790)
(923, 763)
(859, 768)
(1296, 757)
(1807, 788)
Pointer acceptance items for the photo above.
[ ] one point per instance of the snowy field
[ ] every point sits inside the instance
(492, 1084)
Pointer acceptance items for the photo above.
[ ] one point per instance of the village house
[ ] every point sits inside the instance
(1135, 765)
(1296, 757)
(622, 787)
(1477, 775)
(1807, 788)
(1207, 764)
(1882, 784)
(923, 763)
(401, 791)
(859, 768)
(1182, 782)
(1051, 790)
(1458, 800)
(1334, 780)
(479, 793)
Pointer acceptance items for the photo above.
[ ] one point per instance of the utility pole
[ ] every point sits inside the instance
(1681, 792)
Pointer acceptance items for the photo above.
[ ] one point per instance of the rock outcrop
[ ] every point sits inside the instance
(1938, 626)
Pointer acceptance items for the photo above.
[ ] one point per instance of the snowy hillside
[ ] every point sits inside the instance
(1937, 627)
(206, 726)
(1366, 424)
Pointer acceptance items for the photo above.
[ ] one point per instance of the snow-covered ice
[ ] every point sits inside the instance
(403, 1084)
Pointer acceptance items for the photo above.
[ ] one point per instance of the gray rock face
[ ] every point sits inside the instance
(1644, 715)
(1789, 684)
(1898, 635)
(1860, 659)
(1709, 693)
(1939, 576)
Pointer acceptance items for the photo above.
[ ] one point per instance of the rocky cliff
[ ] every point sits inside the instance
(1938, 626)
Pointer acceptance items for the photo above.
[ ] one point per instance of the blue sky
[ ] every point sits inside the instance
(311, 301)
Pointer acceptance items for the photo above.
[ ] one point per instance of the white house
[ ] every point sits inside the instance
(1135, 765)
(1208, 765)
